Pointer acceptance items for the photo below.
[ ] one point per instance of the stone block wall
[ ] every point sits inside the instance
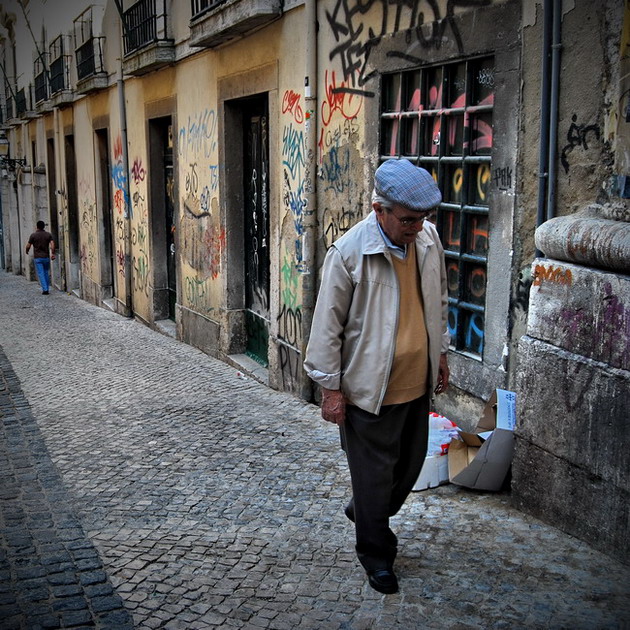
(572, 458)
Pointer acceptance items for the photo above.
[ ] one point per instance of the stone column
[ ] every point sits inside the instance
(572, 457)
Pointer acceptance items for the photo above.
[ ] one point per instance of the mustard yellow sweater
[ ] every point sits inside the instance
(408, 378)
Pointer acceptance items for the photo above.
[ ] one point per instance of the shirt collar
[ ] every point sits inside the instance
(401, 252)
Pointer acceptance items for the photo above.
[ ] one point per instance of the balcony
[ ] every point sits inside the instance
(60, 89)
(88, 53)
(23, 103)
(41, 92)
(215, 22)
(8, 106)
(41, 88)
(145, 35)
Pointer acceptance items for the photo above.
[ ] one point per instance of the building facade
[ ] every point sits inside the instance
(195, 159)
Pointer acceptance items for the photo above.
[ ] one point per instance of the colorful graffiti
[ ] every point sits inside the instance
(294, 154)
(291, 104)
(609, 334)
(199, 136)
(555, 275)
(120, 182)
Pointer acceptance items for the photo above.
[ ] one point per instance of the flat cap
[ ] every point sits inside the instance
(411, 186)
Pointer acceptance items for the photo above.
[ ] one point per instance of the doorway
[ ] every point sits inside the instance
(104, 209)
(163, 217)
(59, 273)
(256, 224)
(72, 201)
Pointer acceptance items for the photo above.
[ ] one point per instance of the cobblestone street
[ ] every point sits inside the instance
(148, 485)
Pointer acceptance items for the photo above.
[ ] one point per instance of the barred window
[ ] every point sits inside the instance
(440, 118)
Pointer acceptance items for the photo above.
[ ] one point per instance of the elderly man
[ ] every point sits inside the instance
(378, 349)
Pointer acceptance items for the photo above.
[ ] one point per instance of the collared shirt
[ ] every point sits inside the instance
(397, 250)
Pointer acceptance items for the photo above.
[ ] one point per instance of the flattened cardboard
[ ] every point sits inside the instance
(482, 464)
(481, 468)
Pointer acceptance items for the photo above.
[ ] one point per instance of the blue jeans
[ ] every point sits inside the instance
(42, 266)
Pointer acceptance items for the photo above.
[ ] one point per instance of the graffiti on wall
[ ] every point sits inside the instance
(202, 237)
(610, 333)
(290, 317)
(294, 156)
(354, 40)
(290, 364)
(337, 221)
(577, 137)
(555, 275)
(198, 137)
(291, 103)
(88, 220)
(119, 181)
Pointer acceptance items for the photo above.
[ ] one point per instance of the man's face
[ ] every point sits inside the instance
(400, 224)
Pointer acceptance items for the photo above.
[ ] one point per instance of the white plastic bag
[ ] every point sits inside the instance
(441, 432)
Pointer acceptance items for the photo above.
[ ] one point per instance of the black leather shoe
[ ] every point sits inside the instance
(349, 511)
(383, 581)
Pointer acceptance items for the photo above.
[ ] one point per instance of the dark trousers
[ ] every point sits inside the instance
(385, 455)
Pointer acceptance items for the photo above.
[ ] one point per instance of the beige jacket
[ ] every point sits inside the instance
(352, 340)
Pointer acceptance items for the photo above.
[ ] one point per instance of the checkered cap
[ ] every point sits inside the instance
(411, 186)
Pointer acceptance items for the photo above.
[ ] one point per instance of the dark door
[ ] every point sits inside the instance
(59, 275)
(72, 201)
(171, 269)
(256, 198)
(105, 229)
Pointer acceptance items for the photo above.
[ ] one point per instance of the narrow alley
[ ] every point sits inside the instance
(148, 485)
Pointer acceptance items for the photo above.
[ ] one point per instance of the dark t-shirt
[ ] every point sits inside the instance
(40, 241)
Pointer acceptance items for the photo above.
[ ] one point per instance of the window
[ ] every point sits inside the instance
(41, 80)
(57, 69)
(201, 6)
(440, 118)
(88, 48)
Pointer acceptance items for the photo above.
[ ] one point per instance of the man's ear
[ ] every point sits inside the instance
(377, 207)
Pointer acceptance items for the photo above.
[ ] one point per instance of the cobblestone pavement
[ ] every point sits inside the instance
(206, 500)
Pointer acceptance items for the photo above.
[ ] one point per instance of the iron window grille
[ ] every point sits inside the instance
(20, 102)
(199, 7)
(88, 49)
(59, 74)
(41, 80)
(8, 102)
(440, 118)
(143, 25)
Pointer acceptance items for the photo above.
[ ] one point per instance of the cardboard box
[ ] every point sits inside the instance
(434, 473)
(481, 460)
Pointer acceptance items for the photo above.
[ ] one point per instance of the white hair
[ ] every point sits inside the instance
(378, 198)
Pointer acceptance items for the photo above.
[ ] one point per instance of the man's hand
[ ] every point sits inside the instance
(443, 375)
(333, 406)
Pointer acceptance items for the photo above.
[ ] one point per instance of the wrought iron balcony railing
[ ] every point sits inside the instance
(144, 24)
(58, 75)
(199, 7)
(90, 58)
(41, 87)
(20, 102)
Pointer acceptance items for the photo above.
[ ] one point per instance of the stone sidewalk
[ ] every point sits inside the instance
(147, 485)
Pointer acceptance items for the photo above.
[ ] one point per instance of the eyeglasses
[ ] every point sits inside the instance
(409, 222)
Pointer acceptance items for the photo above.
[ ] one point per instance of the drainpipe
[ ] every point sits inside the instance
(550, 90)
(543, 174)
(556, 46)
(310, 214)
